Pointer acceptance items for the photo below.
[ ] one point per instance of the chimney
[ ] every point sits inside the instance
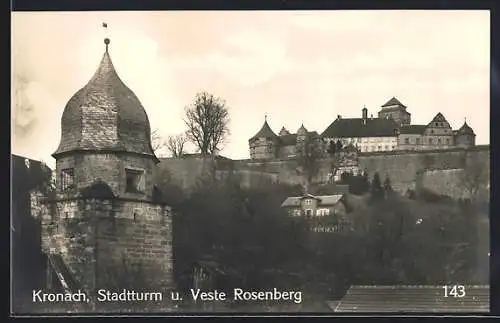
(371, 116)
(339, 116)
(365, 113)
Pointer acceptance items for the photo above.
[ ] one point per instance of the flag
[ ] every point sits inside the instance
(105, 25)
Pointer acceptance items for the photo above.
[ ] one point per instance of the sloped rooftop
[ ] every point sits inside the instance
(413, 299)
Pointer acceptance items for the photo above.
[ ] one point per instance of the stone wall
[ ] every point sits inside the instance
(143, 241)
(402, 167)
(95, 236)
(109, 167)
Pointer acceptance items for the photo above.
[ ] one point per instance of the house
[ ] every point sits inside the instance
(325, 213)
(407, 298)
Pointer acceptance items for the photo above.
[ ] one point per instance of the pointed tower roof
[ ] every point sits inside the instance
(105, 115)
(302, 130)
(393, 101)
(264, 132)
(465, 129)
(283, 131)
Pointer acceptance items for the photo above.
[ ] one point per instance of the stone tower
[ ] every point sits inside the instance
(465, 136)
(301, 137)
(395, 110)
(264, 145)
(106, 225)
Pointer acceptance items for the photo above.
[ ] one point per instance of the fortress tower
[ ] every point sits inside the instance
(106, 225)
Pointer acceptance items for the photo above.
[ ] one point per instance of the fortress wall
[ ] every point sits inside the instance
(401, 166)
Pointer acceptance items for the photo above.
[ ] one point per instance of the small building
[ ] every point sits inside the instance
(311, 205)
(408, 299)
(325, 213)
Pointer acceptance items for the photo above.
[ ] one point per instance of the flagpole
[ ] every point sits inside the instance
(106, 38)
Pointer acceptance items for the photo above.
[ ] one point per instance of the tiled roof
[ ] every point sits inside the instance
(413, 299)
(439, 118)
(302, 130)
(393, 101)
(414, 129)
(264, 132)
(105, 115)
(355, 127)
(291, 138)
(465, 129)
(323, 200)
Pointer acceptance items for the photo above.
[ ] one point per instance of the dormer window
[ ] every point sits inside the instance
(134, 181)
(67, 179)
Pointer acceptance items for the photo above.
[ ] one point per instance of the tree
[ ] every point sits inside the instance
(387, 185)
(334, 152)
(175, 144)
(156, 142)
(309, 154)
(207, 120)
(377, 192)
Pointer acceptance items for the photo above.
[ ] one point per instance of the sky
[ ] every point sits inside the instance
(293, 66)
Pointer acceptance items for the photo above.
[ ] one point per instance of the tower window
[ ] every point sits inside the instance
(407, 141)
(439, 141)
(67, 179)
(134, 181)
(417, 140)
(448, 141)
(430, 141)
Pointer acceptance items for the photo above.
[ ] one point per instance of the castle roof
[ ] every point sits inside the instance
(291, 138)
(465, 130)
(439, 118)
(265, 132)
(302, 130)
(356, 128)
(283, 131)
(393, 101)
(414, 129)
(105, 115)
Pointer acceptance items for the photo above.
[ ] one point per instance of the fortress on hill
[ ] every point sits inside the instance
(391, 130)
(433, 156)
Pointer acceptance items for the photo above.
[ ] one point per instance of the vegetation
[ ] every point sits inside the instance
(207, 120)
(255, 244)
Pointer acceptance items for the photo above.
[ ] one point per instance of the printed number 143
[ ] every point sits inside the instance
(457, 291)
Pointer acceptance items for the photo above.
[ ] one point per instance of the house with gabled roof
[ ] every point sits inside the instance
(325, 213)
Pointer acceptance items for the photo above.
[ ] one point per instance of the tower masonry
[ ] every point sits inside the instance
(106, 226)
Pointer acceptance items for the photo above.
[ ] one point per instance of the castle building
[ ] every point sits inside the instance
(391, 130)
(265, 144)
(106, 220)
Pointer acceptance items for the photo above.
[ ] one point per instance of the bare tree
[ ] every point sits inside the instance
(156, 141)
(175, 144)
(207, 122)
(309, 154)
